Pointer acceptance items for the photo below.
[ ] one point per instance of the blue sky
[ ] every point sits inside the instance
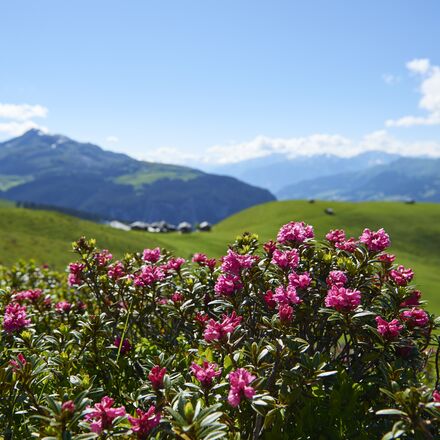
(224, 80)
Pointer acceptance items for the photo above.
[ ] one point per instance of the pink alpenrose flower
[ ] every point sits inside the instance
(376, 241)
(342, 299)
(285, 312)
(103, 414)
(389, 330)
(218, 331)
(144, 422)
(336, 278)
(401, 276)
(295, 232)
(415, 317)
(240, 381)
(15, 318)
(156, 376)
(206, 372)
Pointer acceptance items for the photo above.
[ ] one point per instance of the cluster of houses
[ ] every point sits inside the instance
(161, 226)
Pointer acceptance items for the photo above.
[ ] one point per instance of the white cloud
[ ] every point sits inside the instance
(169, 155)
(381, 140)
(391, 79)
(263, 146)
(15, 128)
(419, 65)
(112, 139)
(19, 118)
(22, 112)
(430, 96)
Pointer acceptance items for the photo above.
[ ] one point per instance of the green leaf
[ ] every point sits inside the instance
(391, 412)
(327, 373)
(363, 313)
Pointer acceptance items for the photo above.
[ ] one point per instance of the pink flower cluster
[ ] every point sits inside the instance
(387, 258)
(389, 330)
(218, 331)
(75, 275)
(149, 275)
(415, 317)
(152, 255)
(68, 407)
(206, 372)
(156, 376)
(228, 284)
(295, 232)
(269, 299)
(116, 271)
(177, 297)
(233, 263)
(376, 241)
(412, 300)
(103, 257)
(15, 318)
(337, 237)
(240, 381)
(63, 307)
(286, 295)
(203, 260)
(287, 259)
(125, 346)
(174, 264)
(342, 299)
(270, 247)
(300, 280)
(103, 414)
(336, 278)
(349, 245)
(19, 364)
(285, 312)
(144, 422)
(401, 276)
(28, 295)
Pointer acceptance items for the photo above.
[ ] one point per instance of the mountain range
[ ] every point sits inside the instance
(277, 171)
(404, 179)
(373, 175)
(56, 170)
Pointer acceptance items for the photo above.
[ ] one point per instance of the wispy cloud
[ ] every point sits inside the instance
(390, 79)
(170, 155)
(430, 95)
(112, 139)
(15, 128)
(19, 118)
(419, 65)
(22, 112)
(264, 146)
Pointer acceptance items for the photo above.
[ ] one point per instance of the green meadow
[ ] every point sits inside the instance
(414, 229)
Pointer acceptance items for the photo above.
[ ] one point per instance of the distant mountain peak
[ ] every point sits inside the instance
(34, 132)
(52, 169)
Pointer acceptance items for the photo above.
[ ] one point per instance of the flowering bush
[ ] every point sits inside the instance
(295, 339)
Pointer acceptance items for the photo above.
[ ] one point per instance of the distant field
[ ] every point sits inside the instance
(414, 229)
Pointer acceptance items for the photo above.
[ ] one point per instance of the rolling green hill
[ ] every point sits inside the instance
(414, 230)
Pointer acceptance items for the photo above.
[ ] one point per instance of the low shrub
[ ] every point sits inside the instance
(293, 339)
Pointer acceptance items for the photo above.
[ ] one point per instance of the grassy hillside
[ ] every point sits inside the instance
(414, 230)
